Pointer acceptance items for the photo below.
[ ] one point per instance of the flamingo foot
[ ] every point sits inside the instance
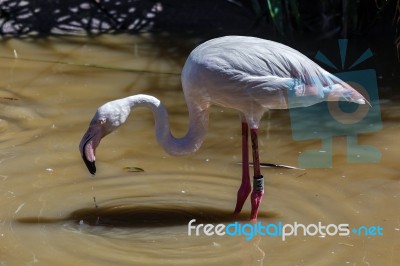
(256, 197)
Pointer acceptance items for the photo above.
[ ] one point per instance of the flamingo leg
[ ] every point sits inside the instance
(245, 187)
(258, 179)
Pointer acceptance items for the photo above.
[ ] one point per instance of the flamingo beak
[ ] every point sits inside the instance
(88, 146)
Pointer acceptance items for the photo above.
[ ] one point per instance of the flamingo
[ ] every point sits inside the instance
(249, 74)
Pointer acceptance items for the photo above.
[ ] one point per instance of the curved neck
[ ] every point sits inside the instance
(198, 123)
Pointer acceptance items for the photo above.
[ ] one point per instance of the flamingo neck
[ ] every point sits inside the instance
(191, 142)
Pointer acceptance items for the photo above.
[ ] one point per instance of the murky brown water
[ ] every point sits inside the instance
(47, 211)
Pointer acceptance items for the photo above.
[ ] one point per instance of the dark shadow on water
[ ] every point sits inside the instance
(145, 216)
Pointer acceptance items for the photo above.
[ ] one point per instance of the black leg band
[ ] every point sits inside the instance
(258, 183)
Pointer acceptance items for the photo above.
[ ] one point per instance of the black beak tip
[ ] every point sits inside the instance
(91, 166)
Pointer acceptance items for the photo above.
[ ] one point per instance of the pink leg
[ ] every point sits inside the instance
(245, 187)
(258, 179)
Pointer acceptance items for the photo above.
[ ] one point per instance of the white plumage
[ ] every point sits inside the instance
(253, 75)
(248, 74)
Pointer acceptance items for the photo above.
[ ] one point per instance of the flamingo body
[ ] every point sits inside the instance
(253, 75)
(248, 74)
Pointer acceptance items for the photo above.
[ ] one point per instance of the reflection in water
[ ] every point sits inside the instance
(139, 216)
(47, 212)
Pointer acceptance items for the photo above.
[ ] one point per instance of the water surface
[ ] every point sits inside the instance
(53, 212)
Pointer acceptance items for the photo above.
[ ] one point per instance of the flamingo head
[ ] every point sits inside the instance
(107, 118)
